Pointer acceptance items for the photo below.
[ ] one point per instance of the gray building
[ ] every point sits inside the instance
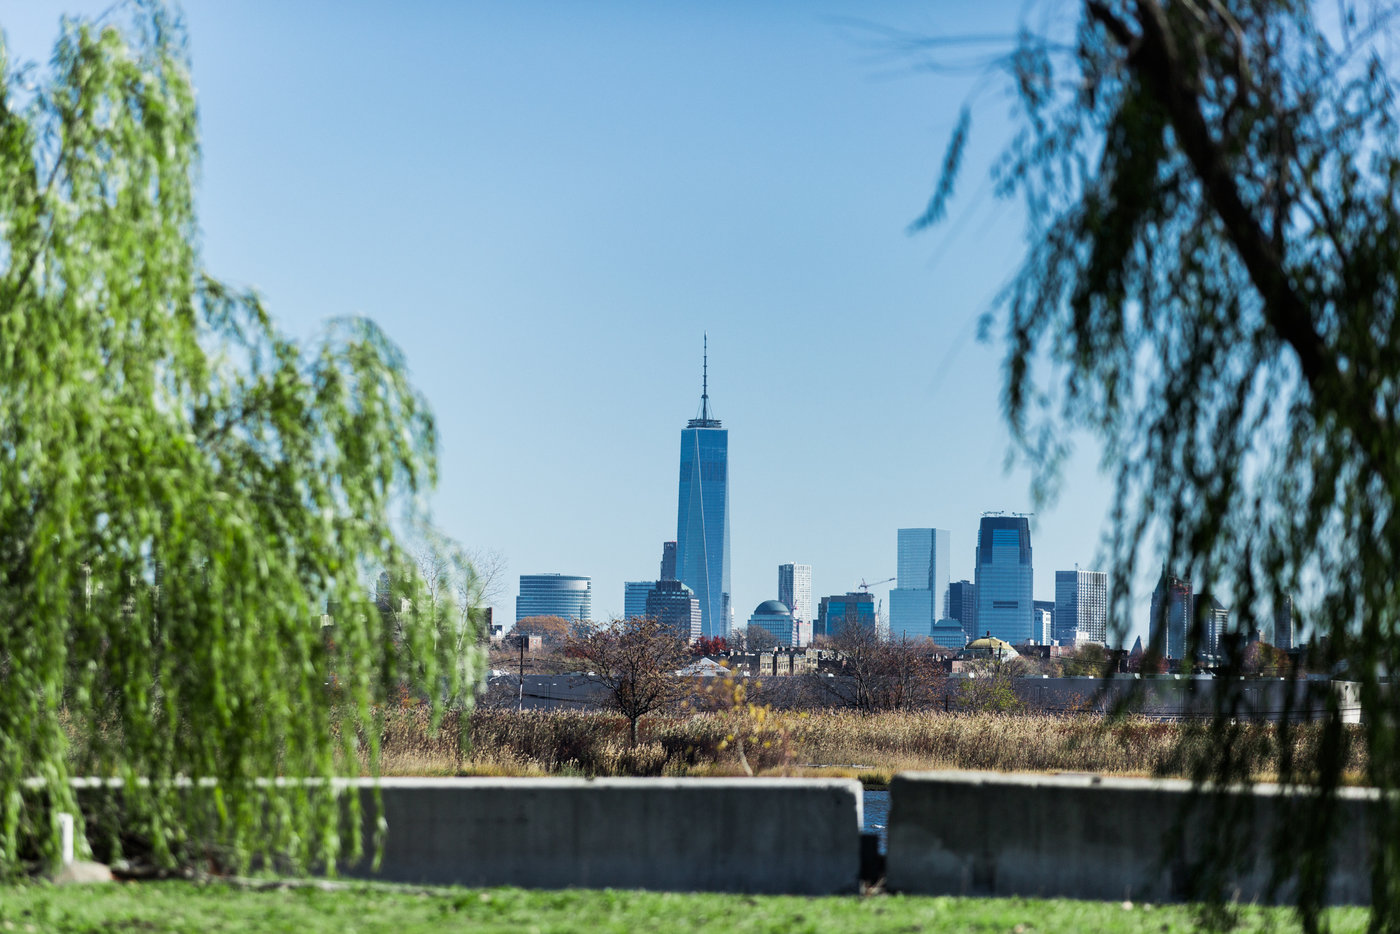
(668, 561)
(1004, 578)
(1081, 607)
(1173, 606)
(702, 515)
(1285, 627)
(795, 590)
(962, 606)
(920, 595)
(562, 595)
(674, 604)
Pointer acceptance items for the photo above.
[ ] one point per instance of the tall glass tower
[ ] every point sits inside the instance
(920, 595)
(702, 514)
(1004, 601)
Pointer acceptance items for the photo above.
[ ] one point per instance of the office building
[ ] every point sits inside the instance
(774, 617)
(702, 514)
(1285, 627)
(795, 590)
(1081, 607)
(673, 604)
(562, 595)
(920, 595)
(668, 561)
(948, 632)
(1217, 623)
(634, 598)
(1046, 606)
(1172, 609)
(1004, 578)
(838, 612)
(1042, 625)
(962, 606)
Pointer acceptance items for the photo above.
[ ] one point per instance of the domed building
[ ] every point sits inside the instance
(774, 617)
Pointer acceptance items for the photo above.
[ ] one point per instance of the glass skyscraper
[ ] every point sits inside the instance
(634, 598)
(920, 595)
(795, 590)
(702, 515)
(1004, 601)
(554, 595)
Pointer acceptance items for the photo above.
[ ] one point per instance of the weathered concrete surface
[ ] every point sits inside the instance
(1079, 836)
(799, 836)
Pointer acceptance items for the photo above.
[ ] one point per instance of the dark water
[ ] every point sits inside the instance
(877, 815)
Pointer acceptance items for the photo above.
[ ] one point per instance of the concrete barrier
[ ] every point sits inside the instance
(986, 833)
(799, 836)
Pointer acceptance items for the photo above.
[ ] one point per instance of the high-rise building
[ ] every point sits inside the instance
(795, 590)
(1042, 624)
(1004, 578)
(949, 633)
(634, 598)
(838, 612)
(920, 595)
(1217, 622)
(962, 606)
(774, 617)
(1172, 609)
(1047, 607)
(1285, 627)
(561, 595)
(1081, 607)
(702, 514)
(668, 561)
(673, 604)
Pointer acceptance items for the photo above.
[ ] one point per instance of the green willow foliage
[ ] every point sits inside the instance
(183, 491)
(1212, 192)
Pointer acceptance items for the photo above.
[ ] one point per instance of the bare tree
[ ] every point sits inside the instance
(877, 674)
(636, 661)
(758, 639)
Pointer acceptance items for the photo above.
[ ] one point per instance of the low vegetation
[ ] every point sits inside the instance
(723, 742)
(180, 906)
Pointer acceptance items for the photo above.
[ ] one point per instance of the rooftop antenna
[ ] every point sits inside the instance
(705, 382)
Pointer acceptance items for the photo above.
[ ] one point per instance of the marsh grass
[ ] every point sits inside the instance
(832, 743)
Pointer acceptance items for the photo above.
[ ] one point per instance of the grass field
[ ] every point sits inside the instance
(831, 743)
(160, 907)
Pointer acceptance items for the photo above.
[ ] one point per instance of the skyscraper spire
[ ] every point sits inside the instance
(705, 421)
(705, 381)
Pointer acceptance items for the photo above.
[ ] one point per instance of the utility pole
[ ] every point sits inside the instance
(520, 695)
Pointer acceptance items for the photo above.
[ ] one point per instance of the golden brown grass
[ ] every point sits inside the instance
(832, 743)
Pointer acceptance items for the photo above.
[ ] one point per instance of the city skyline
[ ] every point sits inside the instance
(571, 240)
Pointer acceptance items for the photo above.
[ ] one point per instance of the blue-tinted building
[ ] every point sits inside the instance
(634, 598)
(920, 595)
(702, 516)
(559, 595)
(777, 620)
(838, 612)
(1004, 602)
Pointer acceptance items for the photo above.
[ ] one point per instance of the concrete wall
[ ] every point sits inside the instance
(798, 836)
(984, 833)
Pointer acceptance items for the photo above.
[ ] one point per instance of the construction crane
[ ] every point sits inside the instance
(866, 587)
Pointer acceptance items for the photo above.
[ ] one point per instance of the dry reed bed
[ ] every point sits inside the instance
(505, 742)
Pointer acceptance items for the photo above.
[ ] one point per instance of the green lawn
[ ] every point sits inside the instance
(155, 907)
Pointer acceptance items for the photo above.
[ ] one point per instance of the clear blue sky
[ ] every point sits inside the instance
(546, 204)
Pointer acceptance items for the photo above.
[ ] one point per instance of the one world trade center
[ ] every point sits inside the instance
(702, 514)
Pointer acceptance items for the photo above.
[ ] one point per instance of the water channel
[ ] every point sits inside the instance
(877, 815)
